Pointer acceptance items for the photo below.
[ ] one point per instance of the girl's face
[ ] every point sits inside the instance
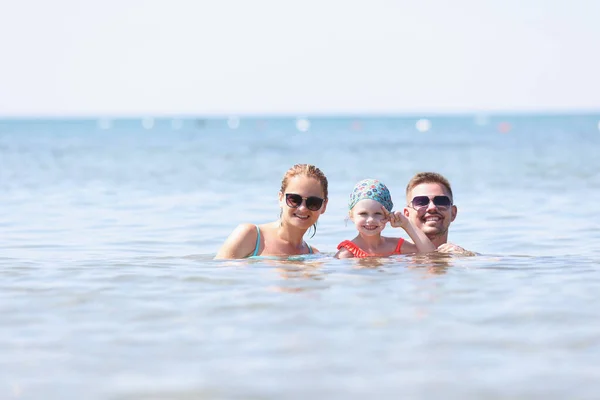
(300, 201)
(368, 217)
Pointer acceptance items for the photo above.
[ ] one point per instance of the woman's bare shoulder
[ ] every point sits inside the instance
(240, 243)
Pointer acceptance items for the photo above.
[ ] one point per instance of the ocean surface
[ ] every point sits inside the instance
(108, 289)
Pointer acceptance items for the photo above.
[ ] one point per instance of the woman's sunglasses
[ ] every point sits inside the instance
(419, 202)
(313, 203)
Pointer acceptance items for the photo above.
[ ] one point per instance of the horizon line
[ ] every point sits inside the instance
(308, 115)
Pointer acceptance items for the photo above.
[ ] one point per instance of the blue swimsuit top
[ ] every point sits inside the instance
(255, 254)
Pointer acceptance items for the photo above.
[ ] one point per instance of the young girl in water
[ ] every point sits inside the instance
(370, 208)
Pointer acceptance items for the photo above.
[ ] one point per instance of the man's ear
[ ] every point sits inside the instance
(454, 212)
(406, 212)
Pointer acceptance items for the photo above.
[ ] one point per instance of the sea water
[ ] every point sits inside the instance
(108, 289)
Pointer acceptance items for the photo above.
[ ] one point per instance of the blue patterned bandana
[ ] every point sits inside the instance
(371, 189)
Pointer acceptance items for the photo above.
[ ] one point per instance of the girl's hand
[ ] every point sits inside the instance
(396, 219)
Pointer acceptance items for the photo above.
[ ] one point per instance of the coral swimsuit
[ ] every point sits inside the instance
(360, 253)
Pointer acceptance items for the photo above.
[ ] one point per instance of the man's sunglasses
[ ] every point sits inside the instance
(313, 203)
(419, 202)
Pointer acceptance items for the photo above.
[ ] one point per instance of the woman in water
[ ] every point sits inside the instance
(302, 199)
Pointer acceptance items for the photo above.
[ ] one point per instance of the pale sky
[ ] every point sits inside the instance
(200, 57)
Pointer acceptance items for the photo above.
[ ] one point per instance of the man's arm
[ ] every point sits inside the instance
(455, 249)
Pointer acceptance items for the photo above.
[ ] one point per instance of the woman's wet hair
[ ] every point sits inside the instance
(307, 170)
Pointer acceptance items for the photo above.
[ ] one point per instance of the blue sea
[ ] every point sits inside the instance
(109, 290)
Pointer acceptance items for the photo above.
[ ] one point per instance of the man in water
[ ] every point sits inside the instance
(430, 207)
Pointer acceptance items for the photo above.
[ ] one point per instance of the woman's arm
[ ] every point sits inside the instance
(240, 243)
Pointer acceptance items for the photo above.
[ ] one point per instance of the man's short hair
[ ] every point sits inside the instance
(428, 177)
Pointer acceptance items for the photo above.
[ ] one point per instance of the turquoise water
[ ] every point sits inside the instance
(108, 288)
